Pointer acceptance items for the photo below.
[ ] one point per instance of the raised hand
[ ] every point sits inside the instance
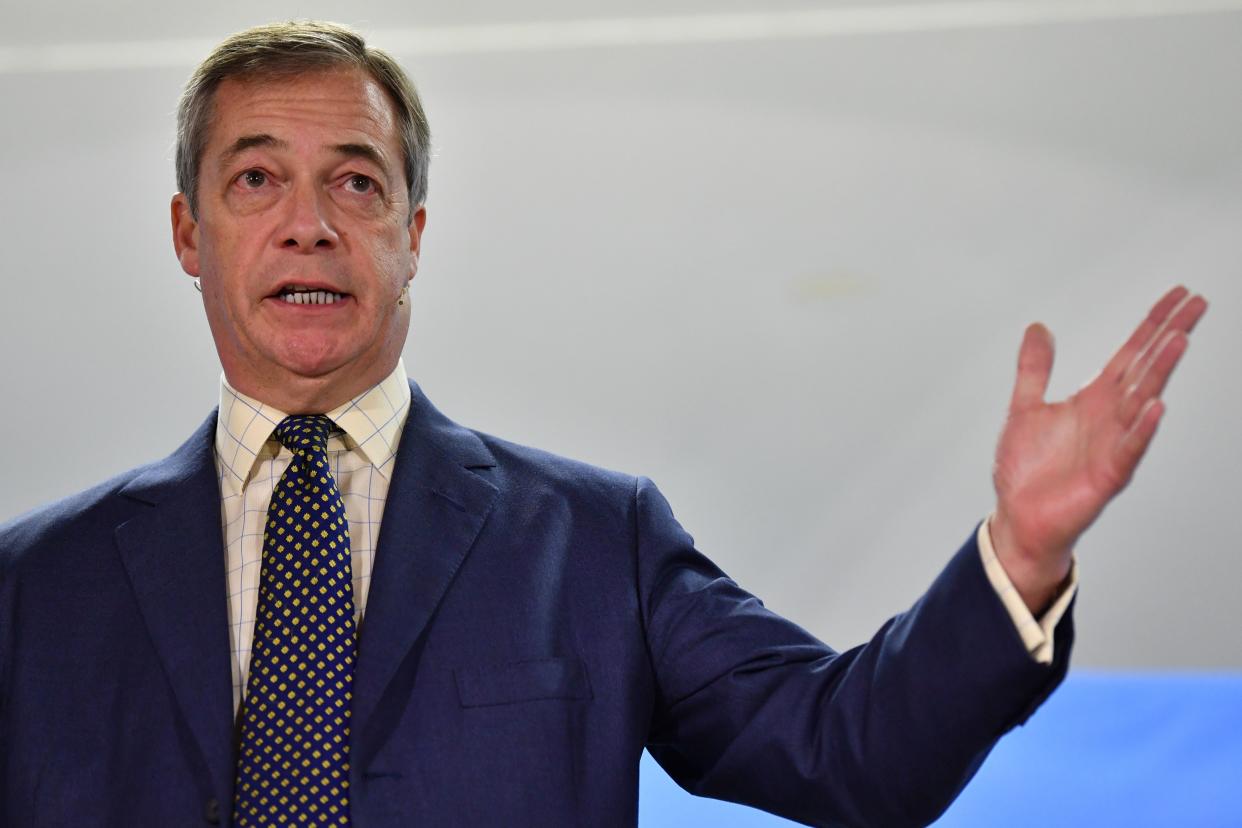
(1058, 464)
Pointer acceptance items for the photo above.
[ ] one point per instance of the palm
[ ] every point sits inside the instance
(1056, 457)
(1059, 464)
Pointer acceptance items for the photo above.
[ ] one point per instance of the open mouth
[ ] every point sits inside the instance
(298, 295)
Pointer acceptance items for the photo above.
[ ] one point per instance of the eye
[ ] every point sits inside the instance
(360, 184)
(253, 179)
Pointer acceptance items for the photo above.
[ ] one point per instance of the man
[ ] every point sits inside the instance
(226, 635)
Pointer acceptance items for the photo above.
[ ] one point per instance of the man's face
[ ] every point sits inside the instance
(303, 238)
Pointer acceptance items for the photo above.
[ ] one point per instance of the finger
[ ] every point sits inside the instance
(1151, 383)
(1184, 317)
(1182, 320)
(1144, 333)
(1135, 442)
(1034, 367)
(1190, 314)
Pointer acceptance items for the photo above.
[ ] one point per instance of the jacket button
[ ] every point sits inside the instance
(212, 811)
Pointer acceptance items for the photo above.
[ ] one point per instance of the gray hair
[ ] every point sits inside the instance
(287, 49)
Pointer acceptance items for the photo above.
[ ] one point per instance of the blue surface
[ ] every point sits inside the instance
(1108, 749)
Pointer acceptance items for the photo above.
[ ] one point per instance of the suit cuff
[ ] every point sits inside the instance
(1036, 634)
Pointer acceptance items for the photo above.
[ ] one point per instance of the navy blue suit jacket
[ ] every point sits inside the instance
(533, 623)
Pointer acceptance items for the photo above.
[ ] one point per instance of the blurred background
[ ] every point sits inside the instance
(777, 256)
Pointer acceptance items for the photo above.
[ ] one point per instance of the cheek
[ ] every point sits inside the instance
(392, 267)
(226, 264)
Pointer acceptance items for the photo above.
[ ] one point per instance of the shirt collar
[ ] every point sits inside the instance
(371, 423)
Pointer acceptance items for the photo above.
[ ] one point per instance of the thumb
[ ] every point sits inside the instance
(1034, 367)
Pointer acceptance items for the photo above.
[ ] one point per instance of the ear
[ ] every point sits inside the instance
(185, 234)
(417, 223)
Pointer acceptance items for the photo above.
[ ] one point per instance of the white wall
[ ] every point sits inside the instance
(785, 277)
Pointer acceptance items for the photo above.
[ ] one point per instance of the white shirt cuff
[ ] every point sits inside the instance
(1036, 634)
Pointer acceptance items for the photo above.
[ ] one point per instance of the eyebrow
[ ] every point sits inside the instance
(364, 151)
(248, 142)
(245, 142)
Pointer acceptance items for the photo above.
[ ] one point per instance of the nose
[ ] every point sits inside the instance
(307, 224)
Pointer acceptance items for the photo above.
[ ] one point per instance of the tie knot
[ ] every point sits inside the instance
(304, 433)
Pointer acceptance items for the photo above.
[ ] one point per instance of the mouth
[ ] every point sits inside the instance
(308, 295)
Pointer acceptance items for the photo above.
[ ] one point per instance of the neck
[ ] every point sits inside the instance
(296, 394)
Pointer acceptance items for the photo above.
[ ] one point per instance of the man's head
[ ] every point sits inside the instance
(286, 50)
(302, 159)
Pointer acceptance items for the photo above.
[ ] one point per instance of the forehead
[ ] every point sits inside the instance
(334, 105)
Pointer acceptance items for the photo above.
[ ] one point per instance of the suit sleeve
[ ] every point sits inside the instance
(753, 709)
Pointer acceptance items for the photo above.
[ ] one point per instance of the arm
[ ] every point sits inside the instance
(753, 709)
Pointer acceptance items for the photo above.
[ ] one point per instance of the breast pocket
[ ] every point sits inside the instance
(522, 681)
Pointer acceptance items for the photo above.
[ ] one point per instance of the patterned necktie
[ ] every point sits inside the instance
(293, 764)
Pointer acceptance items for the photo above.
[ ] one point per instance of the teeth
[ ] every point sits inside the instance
(302, 296)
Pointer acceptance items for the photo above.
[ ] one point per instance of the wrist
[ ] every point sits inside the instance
(1038, 574)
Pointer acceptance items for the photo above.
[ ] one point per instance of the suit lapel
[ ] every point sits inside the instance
(435, 509)
(174, 555)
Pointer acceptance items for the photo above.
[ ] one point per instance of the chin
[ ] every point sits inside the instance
(312, 359)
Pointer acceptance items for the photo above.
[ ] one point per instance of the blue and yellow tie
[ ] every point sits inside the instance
(293, 763)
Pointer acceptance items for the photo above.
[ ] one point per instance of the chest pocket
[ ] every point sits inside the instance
(522, 681)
